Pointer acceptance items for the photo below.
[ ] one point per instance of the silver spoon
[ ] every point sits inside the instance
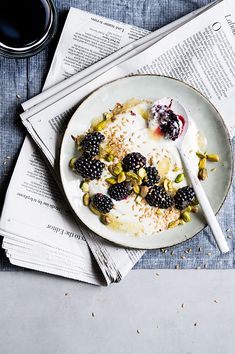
(178, 109)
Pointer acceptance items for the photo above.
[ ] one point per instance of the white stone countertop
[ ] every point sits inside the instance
(165, 311)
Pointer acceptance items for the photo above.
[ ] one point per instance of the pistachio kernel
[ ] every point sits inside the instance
(132, 175)
(202, 163)
(202, 174)
(159, 212)
(136, 188)
(111, 180)
(107, 115)
(121, 177)
(173, 224)
(186, 216)
(86, 199)
(84, 186)
(72, 162)
(105, 219)
(109, 158)
(176, 169)
(100, 126)
(213, 157)
(117, 169)
(179, 178)
(200, 155)
(189, 208)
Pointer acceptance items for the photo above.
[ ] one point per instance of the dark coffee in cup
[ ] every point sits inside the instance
(26, 26)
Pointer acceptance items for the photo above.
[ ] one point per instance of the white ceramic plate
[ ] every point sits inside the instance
(149, 87)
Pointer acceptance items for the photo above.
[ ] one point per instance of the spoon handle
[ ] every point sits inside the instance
(205, 204)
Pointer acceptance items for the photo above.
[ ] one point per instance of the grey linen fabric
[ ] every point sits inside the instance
(23, 78)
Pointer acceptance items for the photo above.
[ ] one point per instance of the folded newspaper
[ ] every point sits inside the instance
(38, 228)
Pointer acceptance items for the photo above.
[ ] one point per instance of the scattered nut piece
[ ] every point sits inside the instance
(105, 219)
(72, 162)
(213, 157)
(202, 163)
(200, 155)
(86, 199)
(179, 178)
(186, 216)
(173, 224)
(121, 177)
(144, 191)
(100, 126)
(84, 186)
(111, 180)
(202, 174)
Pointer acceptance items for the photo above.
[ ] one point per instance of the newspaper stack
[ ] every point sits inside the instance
(38, 228)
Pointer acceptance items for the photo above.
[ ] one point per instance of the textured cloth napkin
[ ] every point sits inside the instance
(23, 78)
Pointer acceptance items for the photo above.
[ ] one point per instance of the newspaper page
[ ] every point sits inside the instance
(50, 246)
(49, 96)
(80, 45)
(201, 53)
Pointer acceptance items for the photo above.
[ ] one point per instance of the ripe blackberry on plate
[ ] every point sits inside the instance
(119, 191)
(152, 177)
(168, 121)
(184, 197)
(88, 168)
(158, 197)
(133, 161)
(170, 125)
(102, 203)
(91, 143)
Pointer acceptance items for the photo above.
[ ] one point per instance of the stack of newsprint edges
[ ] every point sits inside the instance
(38, 228)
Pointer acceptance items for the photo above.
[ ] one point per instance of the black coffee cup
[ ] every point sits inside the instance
(26, 26)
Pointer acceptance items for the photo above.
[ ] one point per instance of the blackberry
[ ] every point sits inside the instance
(102, 203)
(133, 161)
(152, 177)
(88, 168)
(119, 191)
(183, 197)
(168, 121)
(91, 143)
(158, 197)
